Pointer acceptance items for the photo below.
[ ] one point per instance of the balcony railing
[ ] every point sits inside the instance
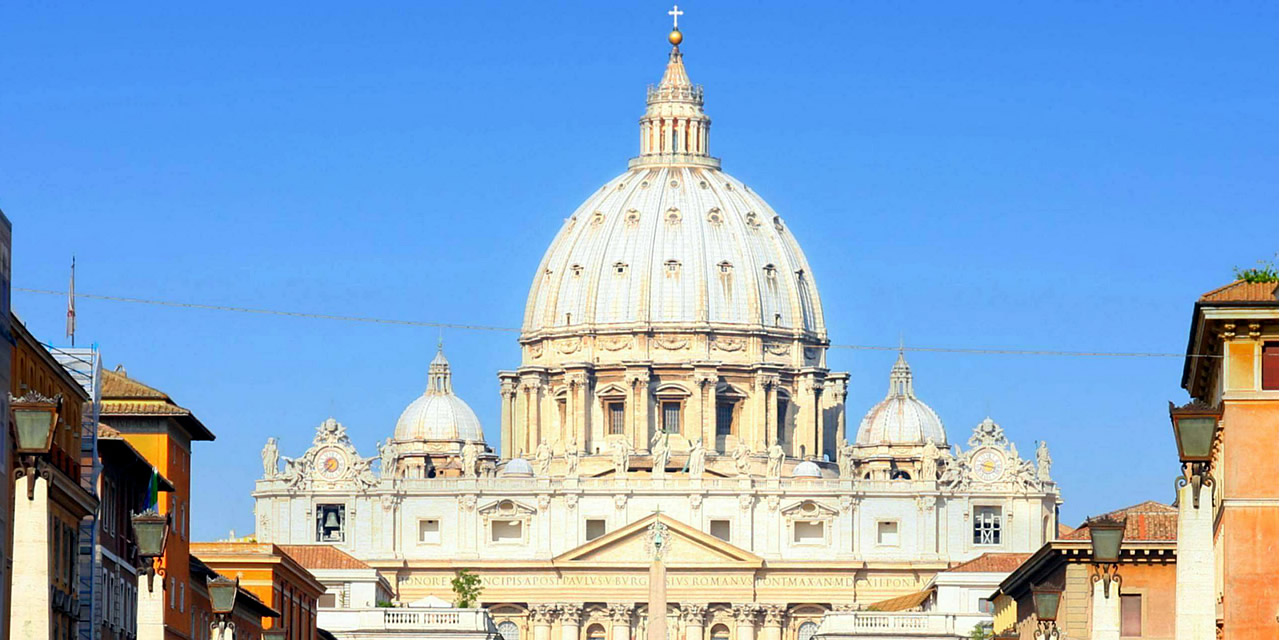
(452, 621)
(872, 623)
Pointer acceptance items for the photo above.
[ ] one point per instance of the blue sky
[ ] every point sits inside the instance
(1022, 175)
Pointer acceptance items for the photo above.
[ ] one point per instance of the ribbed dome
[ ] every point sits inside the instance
(674, 242)
(806, 469)
(901, 418)
(517, 467)
(438, 414)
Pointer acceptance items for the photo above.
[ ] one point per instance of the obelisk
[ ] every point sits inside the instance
(658, 540)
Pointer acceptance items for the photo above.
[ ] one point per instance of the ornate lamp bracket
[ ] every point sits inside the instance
(1195, 474)
(1107, 574)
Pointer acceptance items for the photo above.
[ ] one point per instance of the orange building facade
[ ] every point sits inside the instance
(45, 551)
(269, 573)
(1232, 363)
(1147, 567)
(163, 432)
(247, 617)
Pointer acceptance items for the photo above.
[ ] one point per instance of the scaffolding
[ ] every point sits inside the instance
(85, 366)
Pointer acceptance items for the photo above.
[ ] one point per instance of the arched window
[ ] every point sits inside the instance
(899, 474)
(720, 632)
(595, 632)
(806, 631)
(508, 630)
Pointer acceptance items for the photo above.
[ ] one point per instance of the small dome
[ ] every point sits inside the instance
(517, 467)
(438, 414)
(901, 418)
(806, 469)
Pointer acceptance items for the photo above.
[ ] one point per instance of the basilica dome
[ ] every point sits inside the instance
(438, 414)
(901, 418)
(674, 243)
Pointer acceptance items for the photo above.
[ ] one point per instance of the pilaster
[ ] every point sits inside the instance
(32, 601)
(1195, 617)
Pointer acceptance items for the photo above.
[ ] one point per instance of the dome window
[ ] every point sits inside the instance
(702, 184)
(633, 217)
(714, 217)
(576, 270)
(753, 220)
(597, 218)
(675, 184)
(620, 268)
(673, 266)
(644, 184)
(725, 267)
(777, 223)
(673, 216)
(770, 271)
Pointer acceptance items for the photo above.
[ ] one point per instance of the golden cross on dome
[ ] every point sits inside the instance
(675, 14)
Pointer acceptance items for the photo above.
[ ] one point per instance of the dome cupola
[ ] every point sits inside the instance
(438, 414)
(901, 418)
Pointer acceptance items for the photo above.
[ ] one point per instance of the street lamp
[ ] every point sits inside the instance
(222, 599)
(34, 418)
(151, 532)
(1046, 599)
(1106, 534)
(1195, 429)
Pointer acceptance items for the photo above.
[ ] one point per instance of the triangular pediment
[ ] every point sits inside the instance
(630, 546)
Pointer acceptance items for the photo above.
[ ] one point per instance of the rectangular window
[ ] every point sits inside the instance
(506, 531)
(986, 606)
(1130, 615)
(986, 525)
(328, 601)
(595, 529)
(724, 418)
(807, 532)
(722, 529)
(429, 531)
(617, 418)
(887, 533)
(330, 522)
(671, 417)
(1270, 365)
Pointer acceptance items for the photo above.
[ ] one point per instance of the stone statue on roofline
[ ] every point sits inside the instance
(697, 459)
(270, 459)
(774, 470)
(621, 457)
(1043, 462)
(742, 459)
(470, 456)
(929, 461)
(387, 451)
(571, 458)
(542, 459)
(661, 453)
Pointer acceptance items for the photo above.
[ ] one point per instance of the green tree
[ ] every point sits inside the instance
(980, 632)
(466, 589)
(1264, 272)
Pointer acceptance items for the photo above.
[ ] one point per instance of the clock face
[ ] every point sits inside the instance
(988, 465)
(330, 463)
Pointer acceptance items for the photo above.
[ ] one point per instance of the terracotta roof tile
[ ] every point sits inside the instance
(902, 603)
(1063, 530)
(322, 556)
(118, 385)
(991, 562)
(1149, 521)
(1241, 291)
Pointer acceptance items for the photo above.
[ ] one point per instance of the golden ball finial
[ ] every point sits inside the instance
(675, 37)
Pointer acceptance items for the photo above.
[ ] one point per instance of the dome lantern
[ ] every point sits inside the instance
(438, 414)
(901, 418)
